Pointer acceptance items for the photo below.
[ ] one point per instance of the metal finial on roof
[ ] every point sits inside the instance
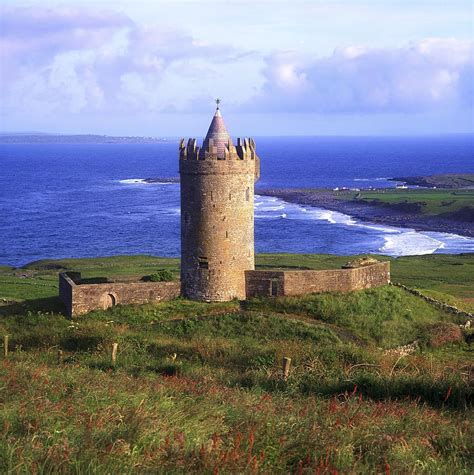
(218, 101)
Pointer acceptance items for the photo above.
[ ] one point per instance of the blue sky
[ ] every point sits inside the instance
(280, 67)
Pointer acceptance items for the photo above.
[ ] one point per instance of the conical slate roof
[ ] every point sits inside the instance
(218, 132)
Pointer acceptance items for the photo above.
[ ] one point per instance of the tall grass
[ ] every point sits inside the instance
(198, 387)
(74, 419)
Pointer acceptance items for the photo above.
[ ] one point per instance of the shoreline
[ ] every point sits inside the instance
(369, 212)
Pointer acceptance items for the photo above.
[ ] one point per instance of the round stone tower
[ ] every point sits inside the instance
(217, 214)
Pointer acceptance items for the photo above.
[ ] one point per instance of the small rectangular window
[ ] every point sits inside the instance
(247, 194)
(230, 196)
(203, 263)
(227, 234)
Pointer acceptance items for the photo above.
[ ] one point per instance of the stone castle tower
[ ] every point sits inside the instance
(217, 214)
(217, 240)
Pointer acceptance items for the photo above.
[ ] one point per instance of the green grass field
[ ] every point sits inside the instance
(198, 387)
(448, 276)
(424, 201)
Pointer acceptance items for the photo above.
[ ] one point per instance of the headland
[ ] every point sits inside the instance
(441, 209)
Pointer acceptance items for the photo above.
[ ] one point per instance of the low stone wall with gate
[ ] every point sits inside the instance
(80, 298)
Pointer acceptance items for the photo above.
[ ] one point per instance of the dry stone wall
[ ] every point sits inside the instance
(436, 303)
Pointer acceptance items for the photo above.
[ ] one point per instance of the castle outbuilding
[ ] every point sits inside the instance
(217, 214)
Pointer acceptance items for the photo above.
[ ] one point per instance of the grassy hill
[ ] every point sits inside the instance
(199, 388)
(428, 202)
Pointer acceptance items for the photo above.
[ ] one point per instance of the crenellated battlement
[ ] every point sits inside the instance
(210, 150)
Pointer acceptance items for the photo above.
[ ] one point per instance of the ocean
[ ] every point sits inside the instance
(87, 200)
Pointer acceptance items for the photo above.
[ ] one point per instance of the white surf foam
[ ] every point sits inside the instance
(396, 241)
(410, 242)
(376, 227)
(270, 207)
(453, 242)
(333, 217)
(142, 181)
(133, 181)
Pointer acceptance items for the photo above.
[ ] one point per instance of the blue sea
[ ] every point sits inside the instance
(83, 200)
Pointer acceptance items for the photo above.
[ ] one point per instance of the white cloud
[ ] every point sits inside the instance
(74, 61)
(430, 74)
(67, 62)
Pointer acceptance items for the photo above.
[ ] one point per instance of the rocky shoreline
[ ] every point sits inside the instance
(372, 212)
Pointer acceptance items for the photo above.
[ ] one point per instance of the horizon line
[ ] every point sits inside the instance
(178, 137)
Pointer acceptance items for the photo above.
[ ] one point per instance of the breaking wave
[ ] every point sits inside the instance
(391, 240)
(406, 243)
(134, 181)
(146, 181)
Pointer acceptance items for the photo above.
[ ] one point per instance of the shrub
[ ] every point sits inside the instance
(161, 275)
(443, 333)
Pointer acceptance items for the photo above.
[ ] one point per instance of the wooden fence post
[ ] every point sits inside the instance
(114, 353)
(5, 346)
(286, 365)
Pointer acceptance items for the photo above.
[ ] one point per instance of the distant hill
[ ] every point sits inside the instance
(74, 139)
(450, 181)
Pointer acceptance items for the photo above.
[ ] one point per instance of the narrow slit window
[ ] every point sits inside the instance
(230, 196)
(274, 288)
(247, 194)
(227, 234)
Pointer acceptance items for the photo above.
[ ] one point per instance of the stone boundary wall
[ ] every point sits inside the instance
(261, 283)
(436, 303)
(82, 298)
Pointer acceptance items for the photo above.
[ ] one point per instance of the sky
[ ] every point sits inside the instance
(295, 67)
